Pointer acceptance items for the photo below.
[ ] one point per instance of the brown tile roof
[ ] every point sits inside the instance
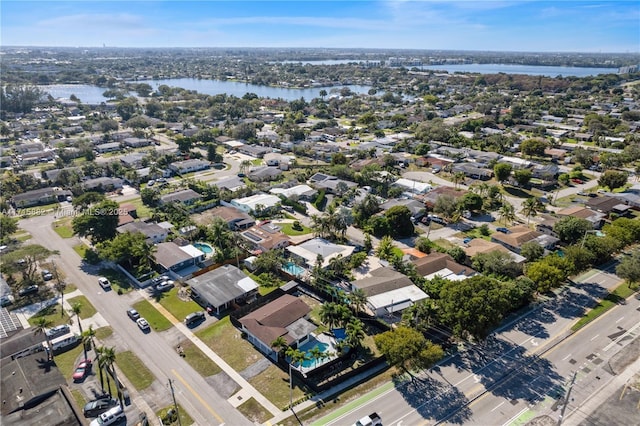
(270, 321)
(435, 262)
(229, 213)
(577, 211)
(479, 245)
(519, 235)
(382, 280)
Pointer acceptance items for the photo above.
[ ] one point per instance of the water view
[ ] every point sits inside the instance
(90, 94)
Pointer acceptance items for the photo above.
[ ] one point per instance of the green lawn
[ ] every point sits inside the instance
(287, 228)
(273, 383)
(119, 282)
(63, 228)
(253, 411)
(23, 236)
(87, 308)
(612, 299)
(67, 361)
(70, 288)
(141, 210)
(103, 332)
(256, 162)
(179, 308)
(132, 367)
(78, 397)
(185, 419)
(81, 249)
(52, 313)
(225, 340)
(156, 320)
(198, 360)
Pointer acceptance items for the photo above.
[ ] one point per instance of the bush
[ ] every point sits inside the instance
(297, 226)
(320, 201)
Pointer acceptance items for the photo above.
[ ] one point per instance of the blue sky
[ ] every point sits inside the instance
(558, 26)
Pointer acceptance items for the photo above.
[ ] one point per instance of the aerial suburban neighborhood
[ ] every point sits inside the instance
(452, 240)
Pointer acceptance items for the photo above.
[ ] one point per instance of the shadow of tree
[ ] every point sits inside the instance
(433, 399)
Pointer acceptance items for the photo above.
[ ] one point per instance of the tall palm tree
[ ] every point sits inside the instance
(355, 333)
(279, 344)
(244, 166)
(530, 208)
(329, 314)
(87, 340)
(296, 356)
(41, 325)
(457, 179)
(102, 365)
(316, 354)
(109, 359)
(358, 300)
(507, 213)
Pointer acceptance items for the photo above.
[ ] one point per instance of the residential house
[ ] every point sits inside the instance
(232, 183)
(298, 192)
(29, 147)
(136, 142)
(286, 317)
(546, 172)
(38, 196)
(265, 237)
(172, 257)
(255, 202)
(221, 287)
(235, 218)
(547, 223)
(412, 186)
(103, 184)
(108, 147)
(388, 291)
(630, 197)
(34, 157)
(187, 197)
(442, 265)
(134, 160)
(596, 218)
(480, 246)
(275, 159)
(188, 166)
(330, 184)
(154, 233)
(518, 235)
(473, 171)
(607, 205)
(556, 153)
(431, 197)
(264, 173)
(416, 208)
(306, 254)
(53, 175)
(253, 150)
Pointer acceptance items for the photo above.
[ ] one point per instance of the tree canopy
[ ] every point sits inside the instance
(408, 349)
(99, 223)
(571, 229)
(612, 179)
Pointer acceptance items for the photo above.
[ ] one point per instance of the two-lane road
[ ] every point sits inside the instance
(198, 397)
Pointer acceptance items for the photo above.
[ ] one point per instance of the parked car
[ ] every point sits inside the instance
(194, 318)
(503, 230)
(143, 324)
(133, 314)
(151, 182)
(104, 283)
(46, 275)
(32, 289)
(98, 406)
(82, 370)
(467, 240)
(58, 330)
(111, 416)
(578, 181)
(159, 279)
(7, 300)
(164, 286)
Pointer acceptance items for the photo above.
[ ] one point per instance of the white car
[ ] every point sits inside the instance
(143, 324)
(104, 283)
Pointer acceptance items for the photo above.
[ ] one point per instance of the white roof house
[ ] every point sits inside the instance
(248, 204)
(298, 190)
(309, 251)
(413, 186)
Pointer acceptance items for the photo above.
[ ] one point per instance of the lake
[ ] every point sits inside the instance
(549, 71)
(93, 95)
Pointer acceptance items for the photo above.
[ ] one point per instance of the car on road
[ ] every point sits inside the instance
(32, 289)
(241, 175)
(133, 314)
(503, 230)
(104, 283)
(46, 275)
(165, 285)
(98, 406)
(82, 370)
(143, 324)
(578, 181)
(58, 330)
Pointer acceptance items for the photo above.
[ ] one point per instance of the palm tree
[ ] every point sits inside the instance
(101, 366)
(41, 325)
(530, 208)
(316, 354)
(295, 356)
(279, 344)
(358, 300)
(87, 340)
(244, 166)
(385, 248)
(507, 213)
(457, 179)
(108, 359)
(355, 333)
(329, 314)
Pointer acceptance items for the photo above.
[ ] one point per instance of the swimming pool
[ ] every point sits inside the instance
(293, 269)
(203, 247)
(307, 347)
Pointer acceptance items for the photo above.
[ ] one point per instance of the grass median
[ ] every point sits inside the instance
(87, 309)
(132, 367)
(617, 296)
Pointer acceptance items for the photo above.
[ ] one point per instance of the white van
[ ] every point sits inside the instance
(109, 417)
(62, 342)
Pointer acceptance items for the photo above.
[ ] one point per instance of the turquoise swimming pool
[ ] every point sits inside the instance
(293, 269)
(307, 347)
(203, 247)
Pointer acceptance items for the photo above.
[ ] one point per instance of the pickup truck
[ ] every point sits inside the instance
(372, 419)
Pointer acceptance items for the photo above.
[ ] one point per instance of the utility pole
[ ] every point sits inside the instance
(175, 404)
(566, 399)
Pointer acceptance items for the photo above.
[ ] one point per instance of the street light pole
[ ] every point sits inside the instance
(175, 404)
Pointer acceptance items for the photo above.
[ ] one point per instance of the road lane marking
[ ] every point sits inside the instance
(620, 319)
(595, 337)
(565, 358)
(497, 406)
(512, 419)
(619, 339)
(198, 397)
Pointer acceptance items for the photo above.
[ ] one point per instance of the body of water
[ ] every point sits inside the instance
(549, 71)
(93, 95)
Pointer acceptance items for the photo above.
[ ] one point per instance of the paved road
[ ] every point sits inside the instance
(156, 350)
(519, 365)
